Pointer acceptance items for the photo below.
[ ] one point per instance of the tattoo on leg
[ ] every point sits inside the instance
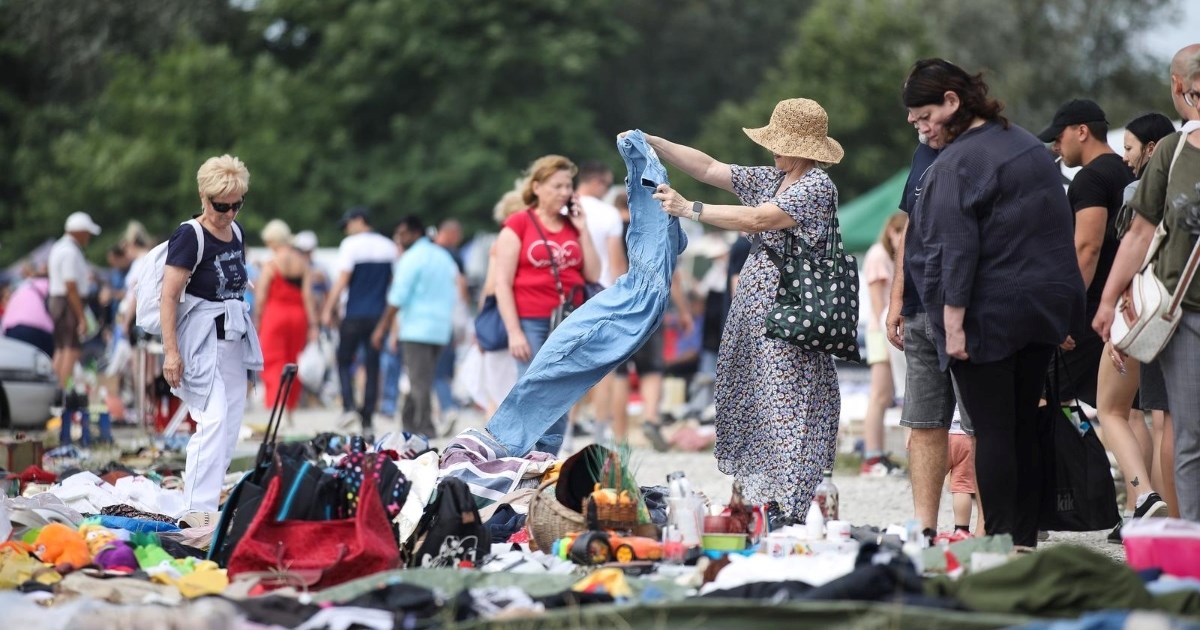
(1135, 483)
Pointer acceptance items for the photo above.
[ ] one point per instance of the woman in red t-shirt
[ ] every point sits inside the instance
(526, 292)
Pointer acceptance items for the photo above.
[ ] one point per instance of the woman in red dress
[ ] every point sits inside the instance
(284, 311)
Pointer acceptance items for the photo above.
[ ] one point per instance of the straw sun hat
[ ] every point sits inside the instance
(799, 128)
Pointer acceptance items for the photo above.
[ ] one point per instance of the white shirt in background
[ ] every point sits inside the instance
(604, 222)
(67, 264)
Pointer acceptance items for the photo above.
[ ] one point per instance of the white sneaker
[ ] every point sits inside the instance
(199, 519)
(445, 423)
(350, 420)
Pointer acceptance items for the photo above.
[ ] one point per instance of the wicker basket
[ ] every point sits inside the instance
(549, 520)
(610, 516)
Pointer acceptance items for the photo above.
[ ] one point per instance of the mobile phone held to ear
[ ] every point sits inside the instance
(571, 209)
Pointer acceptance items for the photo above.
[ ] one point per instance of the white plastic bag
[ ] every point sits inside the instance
(310, 367)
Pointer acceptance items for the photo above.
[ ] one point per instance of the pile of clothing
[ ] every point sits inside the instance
(333, 531)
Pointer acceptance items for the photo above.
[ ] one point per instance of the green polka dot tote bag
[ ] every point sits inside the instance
(816, 304)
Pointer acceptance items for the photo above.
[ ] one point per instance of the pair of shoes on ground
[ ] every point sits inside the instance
(1152, 507)
(880, 466)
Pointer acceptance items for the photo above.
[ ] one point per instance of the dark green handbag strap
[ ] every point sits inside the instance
(833, 244)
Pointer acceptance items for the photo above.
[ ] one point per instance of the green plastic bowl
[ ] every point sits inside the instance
(723, 542)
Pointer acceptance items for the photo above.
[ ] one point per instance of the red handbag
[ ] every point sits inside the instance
(317, 554)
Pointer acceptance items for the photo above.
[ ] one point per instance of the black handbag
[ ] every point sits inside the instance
(1078, 494)
(489, 326)
(816, 303)
(450, 533)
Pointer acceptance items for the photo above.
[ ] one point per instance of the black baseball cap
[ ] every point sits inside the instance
(1076, 112)
(357, 212)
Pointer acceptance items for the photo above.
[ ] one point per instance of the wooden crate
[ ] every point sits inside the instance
(18, 454)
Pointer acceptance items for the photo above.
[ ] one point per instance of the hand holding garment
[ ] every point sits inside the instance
(609, 327)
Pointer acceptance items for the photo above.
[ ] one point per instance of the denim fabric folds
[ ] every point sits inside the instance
(608, 328)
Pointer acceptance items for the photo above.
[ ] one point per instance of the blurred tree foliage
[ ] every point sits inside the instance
(432, 108)
(849, 55)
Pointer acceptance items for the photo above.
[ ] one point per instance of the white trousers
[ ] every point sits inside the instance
(217, 425)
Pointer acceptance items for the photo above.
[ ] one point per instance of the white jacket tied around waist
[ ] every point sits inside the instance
(196, 331)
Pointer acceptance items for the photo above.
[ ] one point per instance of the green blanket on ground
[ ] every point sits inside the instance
(1060, 581)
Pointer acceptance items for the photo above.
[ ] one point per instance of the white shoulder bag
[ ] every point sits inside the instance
(1147, 313)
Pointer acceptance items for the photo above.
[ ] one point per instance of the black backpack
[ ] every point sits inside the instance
(450, 533)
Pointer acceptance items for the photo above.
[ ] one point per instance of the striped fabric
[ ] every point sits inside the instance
(475, 458)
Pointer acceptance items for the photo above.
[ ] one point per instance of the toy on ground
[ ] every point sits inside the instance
(599, 547)
(62, 547)
(108, 551)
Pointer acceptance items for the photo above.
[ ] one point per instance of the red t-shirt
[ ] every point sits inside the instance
(533, 285)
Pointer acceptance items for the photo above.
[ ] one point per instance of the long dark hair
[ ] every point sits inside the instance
(1150, 127)
(930, 79)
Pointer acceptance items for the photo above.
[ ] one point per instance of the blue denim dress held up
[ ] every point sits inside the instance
(608, 328)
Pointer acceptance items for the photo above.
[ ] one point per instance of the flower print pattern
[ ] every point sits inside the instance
(777, 405)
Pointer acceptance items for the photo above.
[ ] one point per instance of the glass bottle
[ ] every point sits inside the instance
(826, 496)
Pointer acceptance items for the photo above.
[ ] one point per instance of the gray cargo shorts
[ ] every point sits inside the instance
(929, 393)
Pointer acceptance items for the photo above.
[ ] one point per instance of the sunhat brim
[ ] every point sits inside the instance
(824, 149)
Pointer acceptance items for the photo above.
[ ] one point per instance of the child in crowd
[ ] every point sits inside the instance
(961, 461)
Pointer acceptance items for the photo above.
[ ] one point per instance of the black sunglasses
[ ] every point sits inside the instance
(226, 207)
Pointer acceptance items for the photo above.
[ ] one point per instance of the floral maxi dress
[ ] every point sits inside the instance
(777, 404)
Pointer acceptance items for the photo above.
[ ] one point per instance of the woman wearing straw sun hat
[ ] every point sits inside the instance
(777, 404)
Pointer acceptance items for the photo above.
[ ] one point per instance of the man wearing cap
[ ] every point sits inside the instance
(364, 270)
(70, 281)
(1078, 134)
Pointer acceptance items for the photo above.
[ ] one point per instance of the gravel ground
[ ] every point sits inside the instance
(874, 501)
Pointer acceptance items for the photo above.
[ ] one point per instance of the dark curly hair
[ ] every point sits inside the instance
(930, 79)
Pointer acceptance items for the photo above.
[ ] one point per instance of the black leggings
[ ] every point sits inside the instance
(354, 334)
(1001, 398)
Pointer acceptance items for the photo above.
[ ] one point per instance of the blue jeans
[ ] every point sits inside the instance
(392, 366)
(537, 330)
(602, 333)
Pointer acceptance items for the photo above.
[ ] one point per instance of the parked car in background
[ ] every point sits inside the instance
(27, 385)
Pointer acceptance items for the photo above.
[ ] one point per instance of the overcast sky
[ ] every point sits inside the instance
(1163, 42)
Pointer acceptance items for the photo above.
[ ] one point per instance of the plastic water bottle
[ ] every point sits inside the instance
(685, 511)
(680, 487)
(814, 522)
(826, 497)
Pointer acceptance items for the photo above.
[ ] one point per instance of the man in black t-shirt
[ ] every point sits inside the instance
(1078, 134)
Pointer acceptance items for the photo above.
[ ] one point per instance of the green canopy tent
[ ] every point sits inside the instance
(863, 218)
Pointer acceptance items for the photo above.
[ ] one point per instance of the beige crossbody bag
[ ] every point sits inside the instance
(1147, 313)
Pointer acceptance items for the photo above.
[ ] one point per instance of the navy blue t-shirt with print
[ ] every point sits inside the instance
(922, 159)
(221, 275)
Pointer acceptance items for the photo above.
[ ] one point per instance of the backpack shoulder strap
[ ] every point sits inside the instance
(1183, 136)
(196, 227)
